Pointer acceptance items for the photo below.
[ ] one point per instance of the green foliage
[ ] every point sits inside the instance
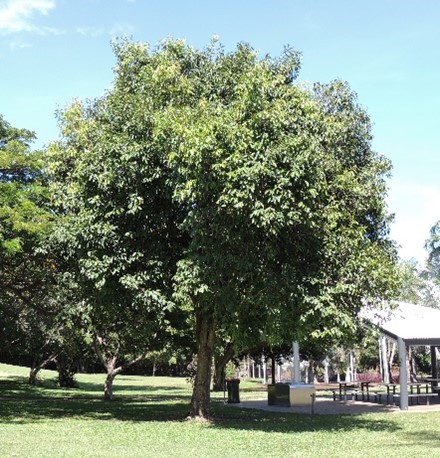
(208, 184)
(35, 322)
(431, 272)
(23, 212)
(420, 283)
(117, 232)
(413, 285)
(368, 351)
(26, 312)
(433, 247)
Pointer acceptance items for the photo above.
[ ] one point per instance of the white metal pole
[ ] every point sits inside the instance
(403, 378)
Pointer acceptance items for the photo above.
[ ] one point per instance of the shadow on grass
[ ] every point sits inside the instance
(257, 420)
(21, 403)
(425, 438)
(149, 388)
(17, 386)
(123, 392)
(36, 410)
(13, 411)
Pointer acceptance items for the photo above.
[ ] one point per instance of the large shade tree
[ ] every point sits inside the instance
(210, 186)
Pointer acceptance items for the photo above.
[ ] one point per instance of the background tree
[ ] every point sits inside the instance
(431, 273)
(26, 273)
(414, 285)
(117, 228)
(420, 282)
(24, 220)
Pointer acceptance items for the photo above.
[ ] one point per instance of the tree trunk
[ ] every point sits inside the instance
(385, 360)
(311, 371)
(390, 360)
(382, 357)
(66, 371)
(352, 359)
(36, 368)
(412, 366)
(109, 361)
(219, 367)
(32, 379)
(350, 377)
(112, 371)
(108, 385)
(273, 370)
(326, 371)
(205, 335)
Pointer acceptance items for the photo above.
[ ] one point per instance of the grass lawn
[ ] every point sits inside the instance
(148, 420)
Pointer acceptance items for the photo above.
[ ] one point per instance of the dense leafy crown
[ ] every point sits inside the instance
(212, 180)
(24, 220)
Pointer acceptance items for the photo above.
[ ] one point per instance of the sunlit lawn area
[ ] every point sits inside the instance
(148, 419)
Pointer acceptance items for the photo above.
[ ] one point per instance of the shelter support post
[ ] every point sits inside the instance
(296, 366)
(433, 362)
(403, 376)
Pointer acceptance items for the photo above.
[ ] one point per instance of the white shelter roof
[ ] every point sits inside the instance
(415, 324)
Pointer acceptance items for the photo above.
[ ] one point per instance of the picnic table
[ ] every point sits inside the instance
(415, 391)
(418, 386)
(391, 387)
(365, 386)
(434, 384)
(347, 388)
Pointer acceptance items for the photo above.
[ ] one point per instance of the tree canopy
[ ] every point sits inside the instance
(24, 220)
(209, 187)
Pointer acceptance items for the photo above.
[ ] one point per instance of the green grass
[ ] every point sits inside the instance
(148, 419)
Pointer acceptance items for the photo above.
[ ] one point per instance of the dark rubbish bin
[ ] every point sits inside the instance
(233, 386)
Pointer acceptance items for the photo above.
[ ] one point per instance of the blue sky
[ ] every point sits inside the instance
(52, 51)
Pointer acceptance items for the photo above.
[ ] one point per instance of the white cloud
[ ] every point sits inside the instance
(18, 16)
(19, 45)
(122, 29)
(118, 29)
(115, 30)
(91, 31)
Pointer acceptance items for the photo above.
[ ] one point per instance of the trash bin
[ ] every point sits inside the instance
(233, 386)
